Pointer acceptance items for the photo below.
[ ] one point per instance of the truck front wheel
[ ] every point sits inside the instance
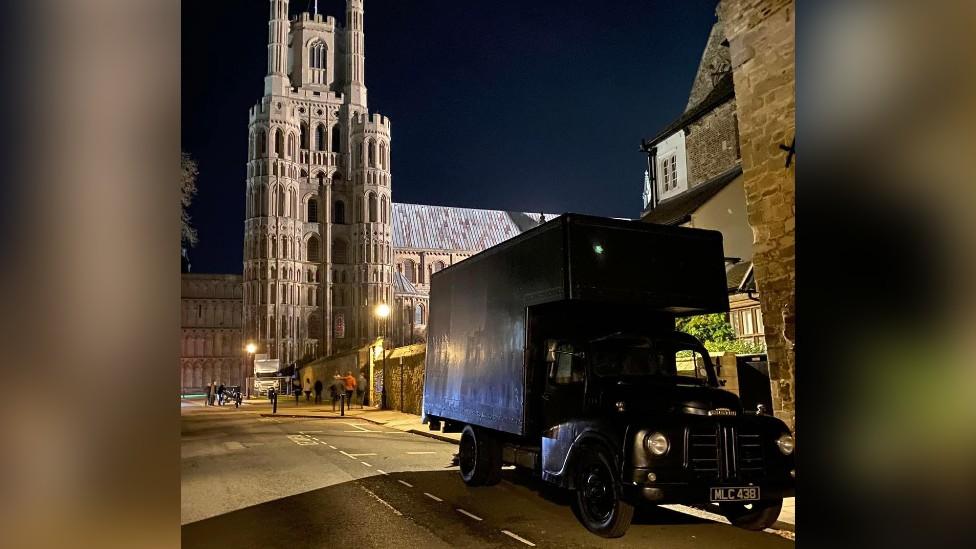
(479, 457)
(755, 516)
(597, 504)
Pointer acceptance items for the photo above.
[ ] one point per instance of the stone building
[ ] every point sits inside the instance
(211, 343)
(694, 178)
(762, 43)
(321, 234)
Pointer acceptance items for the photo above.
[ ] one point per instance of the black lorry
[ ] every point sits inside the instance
(555, 351)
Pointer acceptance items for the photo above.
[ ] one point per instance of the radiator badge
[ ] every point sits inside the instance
(721, 412)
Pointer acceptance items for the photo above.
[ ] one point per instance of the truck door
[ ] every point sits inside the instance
(563, 396)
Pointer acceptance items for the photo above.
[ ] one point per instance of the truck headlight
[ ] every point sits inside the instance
(657, 444)
(785, 444)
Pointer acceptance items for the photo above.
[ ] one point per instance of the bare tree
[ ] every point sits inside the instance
(188, 188)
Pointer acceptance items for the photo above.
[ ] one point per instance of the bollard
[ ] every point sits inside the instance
(342, 404)
(273, 396)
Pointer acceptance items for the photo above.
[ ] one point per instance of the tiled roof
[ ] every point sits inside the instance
(419, 226)
(740, 277)
(402, 286)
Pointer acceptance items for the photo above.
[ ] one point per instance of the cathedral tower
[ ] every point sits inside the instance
(317, 243)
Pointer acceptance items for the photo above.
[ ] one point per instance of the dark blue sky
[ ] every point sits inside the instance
(501, 104)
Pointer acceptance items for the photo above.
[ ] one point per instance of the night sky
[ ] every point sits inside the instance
(504, 104)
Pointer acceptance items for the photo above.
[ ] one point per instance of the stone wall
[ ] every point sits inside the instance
(325, 369)
(405, 371)
(712, 144)
(761, 45)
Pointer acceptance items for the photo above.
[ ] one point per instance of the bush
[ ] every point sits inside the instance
(715, 332)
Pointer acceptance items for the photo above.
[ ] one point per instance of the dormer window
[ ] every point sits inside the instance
(669, 172)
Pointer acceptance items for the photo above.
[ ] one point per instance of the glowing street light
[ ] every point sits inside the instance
(251, 348)
(382, 310)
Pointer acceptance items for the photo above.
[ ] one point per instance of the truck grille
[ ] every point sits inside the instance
(720, 452)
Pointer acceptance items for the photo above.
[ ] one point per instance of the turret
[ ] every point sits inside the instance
(355, 54)
(276, 82)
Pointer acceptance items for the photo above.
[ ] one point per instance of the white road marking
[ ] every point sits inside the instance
(358, 455)
(508, 467)
(405, 483)
(382, 472)
(381, 500)
(419, 453)
(360, 429)
(347, 455)
(463, 512)
(432, 496)
(302, 440)
(333, 447)
(365, 432)
(366, 464)
(308, 432)
(520, 538)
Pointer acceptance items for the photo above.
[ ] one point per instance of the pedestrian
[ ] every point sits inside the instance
(213, 392)
(296, 387)
(361, 389)
(308, 389)
(209, 390)
(350, 383)
(318, 391)
(336, 389)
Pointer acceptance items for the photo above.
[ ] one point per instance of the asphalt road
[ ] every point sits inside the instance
(249, 481)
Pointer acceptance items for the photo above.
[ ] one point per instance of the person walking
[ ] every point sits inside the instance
(318, 391)
(296, 387)
(209, 390)
(213, 392)
(220, 395)
(308, 389)
(350, 383)
(361, 389)
(336, 389)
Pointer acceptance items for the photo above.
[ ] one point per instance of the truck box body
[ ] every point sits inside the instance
(478, 367)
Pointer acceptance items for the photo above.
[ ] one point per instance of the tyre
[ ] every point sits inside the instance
(597, 503)
(479, 457)
(755, 516)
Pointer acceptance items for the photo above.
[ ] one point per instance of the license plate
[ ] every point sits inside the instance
(744, 493)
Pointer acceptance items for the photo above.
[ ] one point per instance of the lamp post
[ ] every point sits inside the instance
(382, 312)
(250, 348)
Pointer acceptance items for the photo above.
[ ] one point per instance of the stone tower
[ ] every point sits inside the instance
(317, 228)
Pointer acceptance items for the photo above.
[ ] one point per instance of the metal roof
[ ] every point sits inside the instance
(402, 286)
(424, 227)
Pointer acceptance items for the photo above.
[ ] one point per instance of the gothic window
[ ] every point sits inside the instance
(311, 297)
(279, 143)
(313, 248)
(262, 144)
(339, 251)
(320, 137)
(438, 265)
(383, 154)
(335, 139)
(274, 248)
(359, 210)
(339, 215)
(418, 314)
(372, 207)
(291, 145)
(313, 210)
(304, 136)
(371, 154)
(280, 210)
(317, 56)
(314, 326)
(384, 210)
(409, 270)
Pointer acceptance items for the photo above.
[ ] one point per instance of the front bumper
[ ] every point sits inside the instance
(698, 491)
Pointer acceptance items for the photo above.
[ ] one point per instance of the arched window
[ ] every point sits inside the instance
(383, 154)
(314, 326)
(291, 145)
(281, 201)
(409, 270)
(359, 210)
(320, 137)
(311, 297)
(384, 217)
(418, 314)
(304, 136)
(317, 56)
(371, 154)
(313, 210)
(335, 139)
(313, 248)
(274, 251)
(279, 143)
(372, 207)
(262, 144)
(339, 214)
(339, 251)
(311, 277)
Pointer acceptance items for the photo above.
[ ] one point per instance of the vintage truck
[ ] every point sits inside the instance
(555, 351)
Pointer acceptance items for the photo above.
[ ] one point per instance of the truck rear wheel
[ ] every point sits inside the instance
(597, 503)
(757, 516)
(479, 457)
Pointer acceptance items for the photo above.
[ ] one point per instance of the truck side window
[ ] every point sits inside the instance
(569, 369)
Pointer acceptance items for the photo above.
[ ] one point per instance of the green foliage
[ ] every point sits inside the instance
(715, 332)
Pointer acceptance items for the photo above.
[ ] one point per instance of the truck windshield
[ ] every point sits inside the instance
(622, 356)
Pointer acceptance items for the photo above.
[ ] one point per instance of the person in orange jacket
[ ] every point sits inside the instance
(350, 386)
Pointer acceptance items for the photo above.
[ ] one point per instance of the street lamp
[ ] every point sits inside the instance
(382, 312)
(250, 348)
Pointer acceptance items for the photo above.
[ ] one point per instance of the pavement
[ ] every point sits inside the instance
(393, 421)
